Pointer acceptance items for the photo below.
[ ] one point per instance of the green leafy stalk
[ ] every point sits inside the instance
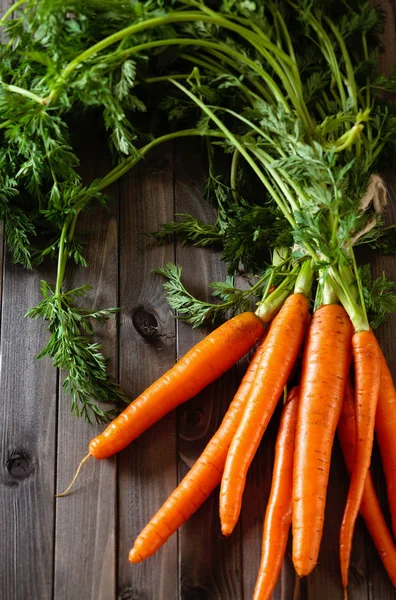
(72, 350)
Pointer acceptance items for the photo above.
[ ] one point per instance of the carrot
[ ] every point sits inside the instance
(326, 362)
(279, 508)
(370, 507)
(200, 481)
(367, 361)
(204, 363)
(282, 345)
(385, 428)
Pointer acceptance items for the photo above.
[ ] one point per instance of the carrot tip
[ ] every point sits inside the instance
(67, 490)
(134, 556)
(227, 528)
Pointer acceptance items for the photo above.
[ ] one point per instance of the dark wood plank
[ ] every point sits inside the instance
(27, 430)
(85, 556)
(27, 443)
(210, 566)
(387, 60)
(147, 350)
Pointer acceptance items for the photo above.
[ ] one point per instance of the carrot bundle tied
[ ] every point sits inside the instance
(367, 362)
(204, 363)
(385, 428)
(281, 348)
(370, 507)
(200, 481)
(326, 361)
(278, 514)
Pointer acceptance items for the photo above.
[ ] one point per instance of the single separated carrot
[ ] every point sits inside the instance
(204, 363)
(385, 428)
(200, 481)
(279, 508)
(367, 362)
(281, 348)
(326, 362)
(370, 507)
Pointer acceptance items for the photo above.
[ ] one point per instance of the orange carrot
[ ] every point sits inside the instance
(367, 361)
(385, 428)
(200, 481)
(204, 363)
(326, 362)
(279, 508)
(370, 507)
(282, 345)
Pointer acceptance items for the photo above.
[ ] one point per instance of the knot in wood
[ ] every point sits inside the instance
(146, 324)
(19, 464)
(192, 424)
(159, 165)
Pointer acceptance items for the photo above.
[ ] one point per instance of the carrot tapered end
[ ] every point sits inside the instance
(135, 556)
(227, 528)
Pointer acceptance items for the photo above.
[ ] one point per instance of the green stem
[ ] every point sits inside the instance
(266, 161)
(234, 174)
(11, 9)
(201, 61)
(241, 149)
(173, 17)
(130, 162)
(22, 92)
(304, 279)
(329, 295)
(160, 78)
(218, 49)
(255, 129)
(347, 60)
(328, 52)
(222, 58)
(268, 308)
(5, 123)
(280, 255)
(368, 98)
(62, 260)
(356, 313)
(246, 32)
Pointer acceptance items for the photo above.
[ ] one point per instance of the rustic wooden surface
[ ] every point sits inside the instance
(77, 547)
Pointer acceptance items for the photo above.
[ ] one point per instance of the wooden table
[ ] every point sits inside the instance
(77, 547)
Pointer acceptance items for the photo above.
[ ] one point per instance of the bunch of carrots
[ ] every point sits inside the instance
(344, 383)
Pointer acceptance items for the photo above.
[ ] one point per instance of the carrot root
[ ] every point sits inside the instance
(367, 361)
(204, 363)
(282, 345)
(326, 362)
(279, 509)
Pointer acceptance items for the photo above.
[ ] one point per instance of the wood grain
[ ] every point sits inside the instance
(27, 443)
(210, 565)
(86, 519)
(147, 350)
